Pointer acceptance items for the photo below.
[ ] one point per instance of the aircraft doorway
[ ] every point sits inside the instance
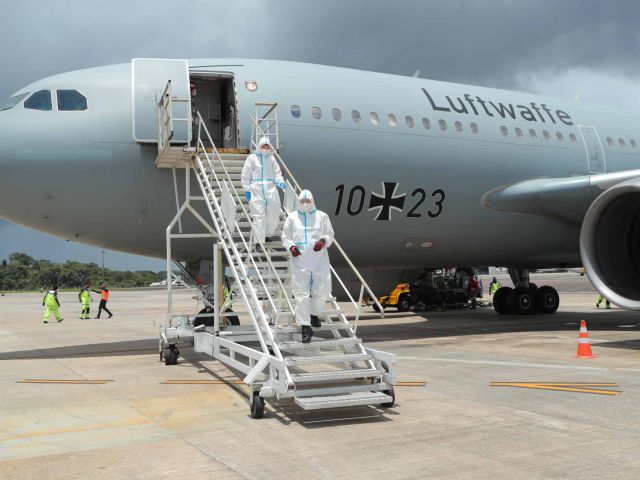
(216, 101)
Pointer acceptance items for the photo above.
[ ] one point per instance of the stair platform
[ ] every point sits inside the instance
(338, 401)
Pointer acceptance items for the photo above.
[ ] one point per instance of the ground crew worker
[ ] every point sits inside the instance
(52, 305)
(600, 299)
(473, 288)
(104, 297)
(309, 228)
(85, 299)
(260, 176)
(494, 287)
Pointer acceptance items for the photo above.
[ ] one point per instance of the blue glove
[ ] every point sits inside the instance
(247, 195)
(282, 185)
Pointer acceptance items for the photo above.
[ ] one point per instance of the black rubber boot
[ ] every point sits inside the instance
(315, 321)
(307, 333)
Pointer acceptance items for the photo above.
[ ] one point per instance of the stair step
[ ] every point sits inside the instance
(315, 377)
(326, 327)
(315, 343)
(315, 360)
(348, 400)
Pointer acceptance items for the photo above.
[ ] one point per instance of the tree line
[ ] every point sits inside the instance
(23, 272)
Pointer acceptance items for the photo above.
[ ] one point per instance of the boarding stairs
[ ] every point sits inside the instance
(335, 369)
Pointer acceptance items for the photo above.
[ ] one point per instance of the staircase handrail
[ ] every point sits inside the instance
(246, 214)
(344, 255)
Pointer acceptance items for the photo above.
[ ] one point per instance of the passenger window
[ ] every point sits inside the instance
(546, 135)
(474, 128)
(443, 125)
(71, 101)
(393, 122)
(459, 126)
(409, 121)
(12, 101)
(295, 111)
(355, 116)
(573, 138)
(373, 117)
(505, 131)
(621, 142)
(519, 132)
(316, 113)
(634, 145)
(532, 134)
(610, 141)
(337, 114)
(426, 123)
(560, 137)
(39, 101)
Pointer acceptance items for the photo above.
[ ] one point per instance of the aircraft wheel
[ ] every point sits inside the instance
(547, 299)
(521, 301)
(171, 356)
(392, 394)
(500, 304)
(233, 320)
(256, 404)
(404, 303)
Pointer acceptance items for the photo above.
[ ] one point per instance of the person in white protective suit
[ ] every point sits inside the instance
(309, 229)
(260, 176)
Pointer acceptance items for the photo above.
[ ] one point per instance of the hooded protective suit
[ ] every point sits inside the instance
(260, 176)
(303, 229)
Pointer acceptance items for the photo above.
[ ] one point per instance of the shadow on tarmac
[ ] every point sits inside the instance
(409, 326)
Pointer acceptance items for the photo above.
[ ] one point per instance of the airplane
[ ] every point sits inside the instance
(413, 172)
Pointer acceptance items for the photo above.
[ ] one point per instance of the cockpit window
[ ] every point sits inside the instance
(71, 100)
(12, 101)
(39, 101)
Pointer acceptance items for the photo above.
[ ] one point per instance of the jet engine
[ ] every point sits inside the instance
(610, 244)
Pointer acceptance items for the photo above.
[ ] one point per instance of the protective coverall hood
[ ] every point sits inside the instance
(264, 141)
(306, 207)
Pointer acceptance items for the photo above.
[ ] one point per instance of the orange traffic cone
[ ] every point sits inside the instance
(584, 347)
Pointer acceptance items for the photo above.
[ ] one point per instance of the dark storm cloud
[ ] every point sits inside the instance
(487, 43)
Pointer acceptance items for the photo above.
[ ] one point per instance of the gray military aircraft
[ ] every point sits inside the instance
(414, 172)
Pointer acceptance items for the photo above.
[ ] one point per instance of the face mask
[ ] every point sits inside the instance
(306, 207)
(264, 152)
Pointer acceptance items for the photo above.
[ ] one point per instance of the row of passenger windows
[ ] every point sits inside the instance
(622, 143)
(392, 121)
(68, 100)
(374, 119)
(533, 135)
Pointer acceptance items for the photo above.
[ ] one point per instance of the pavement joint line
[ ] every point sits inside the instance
(202, 382)
(57, 381)
(566, 387)
(410, 384)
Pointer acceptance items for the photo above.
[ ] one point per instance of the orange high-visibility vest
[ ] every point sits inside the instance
(104, 294)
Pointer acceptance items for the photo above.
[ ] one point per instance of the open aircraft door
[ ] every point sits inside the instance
(150, 77)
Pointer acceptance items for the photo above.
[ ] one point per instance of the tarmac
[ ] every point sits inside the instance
(124, 422)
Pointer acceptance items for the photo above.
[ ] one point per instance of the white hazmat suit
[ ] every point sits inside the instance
(260, 176)
(303, 229)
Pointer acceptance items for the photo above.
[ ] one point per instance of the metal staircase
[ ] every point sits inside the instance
(335, 369)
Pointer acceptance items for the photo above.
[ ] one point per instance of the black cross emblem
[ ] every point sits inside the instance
(387, 201)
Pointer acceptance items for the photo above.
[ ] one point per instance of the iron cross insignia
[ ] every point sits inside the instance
(387, 201)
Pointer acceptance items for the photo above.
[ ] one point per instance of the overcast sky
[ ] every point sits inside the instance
(588, 49)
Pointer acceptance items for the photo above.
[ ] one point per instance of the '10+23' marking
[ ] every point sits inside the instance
(387, 201)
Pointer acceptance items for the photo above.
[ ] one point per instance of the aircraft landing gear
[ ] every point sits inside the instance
(525, 298)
